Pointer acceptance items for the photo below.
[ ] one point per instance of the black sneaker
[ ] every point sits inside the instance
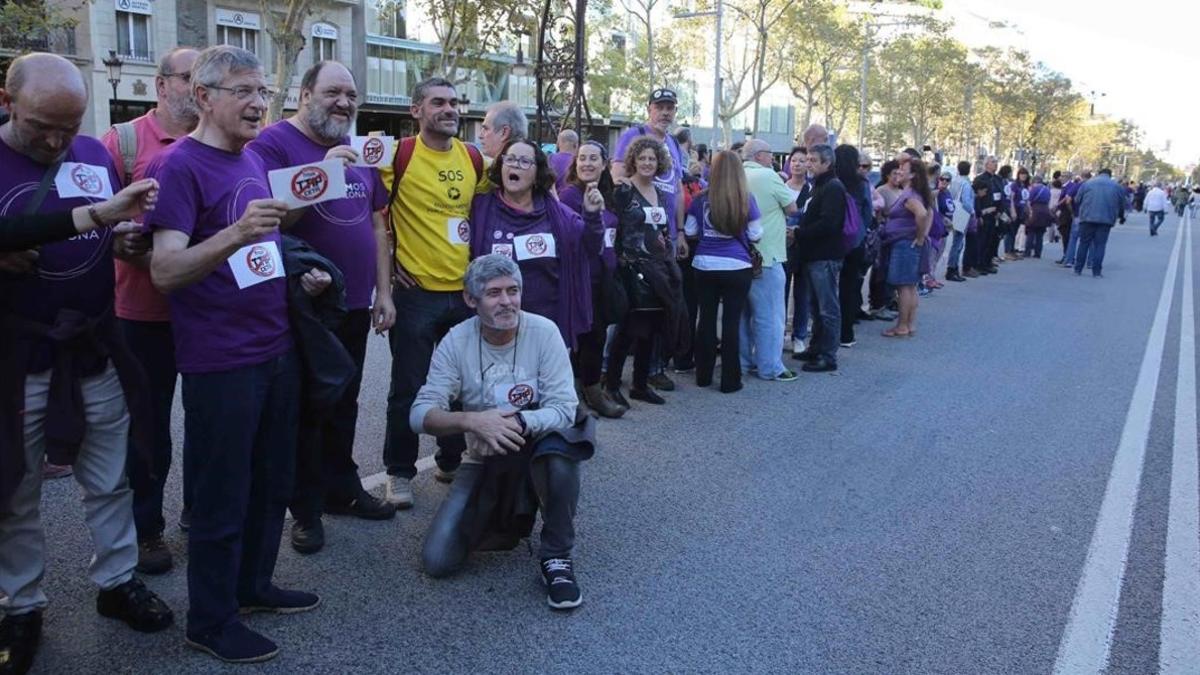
(618, 398)
(648, 395)
(365, 505)
(562, 592)
(280, 601)
(154, 557)
(807, 356)
(235, 643)
(19, 638)
(308, 537)
(136, 605)
(821, 365)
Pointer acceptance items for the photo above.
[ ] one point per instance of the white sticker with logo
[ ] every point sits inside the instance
(530, 246)
(458, 231)
(655, 215)
(503, 249)
(610, 237)
(509, 396)
(373, 151)
(256, 263)
(309, 184)
(996, 196)
(76, 179)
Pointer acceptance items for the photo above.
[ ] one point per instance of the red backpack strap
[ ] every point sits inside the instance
(476, 161)
(400, 162)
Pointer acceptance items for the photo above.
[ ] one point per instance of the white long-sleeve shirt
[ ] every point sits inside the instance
(1156, 200)
(535, 366)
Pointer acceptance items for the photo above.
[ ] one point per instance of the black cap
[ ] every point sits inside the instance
(663, 94)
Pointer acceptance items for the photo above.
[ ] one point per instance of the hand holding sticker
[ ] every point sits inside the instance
(373, 151)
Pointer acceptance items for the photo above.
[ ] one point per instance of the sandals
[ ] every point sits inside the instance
(893, 333)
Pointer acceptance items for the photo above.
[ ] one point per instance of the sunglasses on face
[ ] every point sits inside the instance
(864, 166)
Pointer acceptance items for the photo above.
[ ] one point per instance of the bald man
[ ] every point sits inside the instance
(568, 144)
(63, 397)
(141, 310)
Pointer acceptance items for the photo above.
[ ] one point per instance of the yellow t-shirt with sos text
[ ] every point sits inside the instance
(430, 213)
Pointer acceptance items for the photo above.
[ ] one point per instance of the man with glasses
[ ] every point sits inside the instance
(142, 310)
(352, 233)
(218, 256)
(432, 182)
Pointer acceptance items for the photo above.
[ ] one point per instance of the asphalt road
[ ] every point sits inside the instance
(932, 507)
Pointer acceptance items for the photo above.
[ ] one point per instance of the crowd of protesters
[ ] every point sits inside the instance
(198, 271)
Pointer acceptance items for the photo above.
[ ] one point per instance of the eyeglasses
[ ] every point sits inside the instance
(866, 165)
(519, 162)
(186, 77)
(243, 93)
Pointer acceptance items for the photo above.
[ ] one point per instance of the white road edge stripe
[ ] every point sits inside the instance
(1087, 637)
(1179, 633)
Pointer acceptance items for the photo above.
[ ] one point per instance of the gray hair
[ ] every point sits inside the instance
(509, 114)
(568, 137)
(485, 268)
(753, 147)
(423, 87)
(818, 134)
(217, 63)
(823, 152)
(164, 64)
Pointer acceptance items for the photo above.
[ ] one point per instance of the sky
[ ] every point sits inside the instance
(1142, 55)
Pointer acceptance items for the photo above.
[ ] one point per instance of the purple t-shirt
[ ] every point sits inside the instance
(561, 163)
(342, 229)
(714, 244)
(670, 182)
(217, 325)
(74, 274)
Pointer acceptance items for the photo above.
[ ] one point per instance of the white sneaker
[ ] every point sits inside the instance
(797, 345)
(399, 492)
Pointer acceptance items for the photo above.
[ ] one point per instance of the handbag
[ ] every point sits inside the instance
(756, 259)
(640, 296)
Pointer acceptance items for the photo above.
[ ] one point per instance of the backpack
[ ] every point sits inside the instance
(404, 154)
(127, 144)
(852, 225)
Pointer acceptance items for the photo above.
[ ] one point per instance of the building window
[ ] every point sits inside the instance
(324, 49)
(246, 38)
(133, 36)
(387, 18)
(387, 71)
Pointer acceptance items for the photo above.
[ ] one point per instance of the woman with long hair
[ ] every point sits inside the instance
(590, 169)
(725, 219)
(795, 282)
(1018, 199)
(523, 219)
(846, 164)
(904, 240)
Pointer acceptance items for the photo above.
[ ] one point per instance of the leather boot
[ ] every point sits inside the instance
(598, 401)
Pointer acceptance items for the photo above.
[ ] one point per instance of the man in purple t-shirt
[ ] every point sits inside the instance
(65, 287)
(350, 232)
(560, 162)
(660, 115)
(217, 255)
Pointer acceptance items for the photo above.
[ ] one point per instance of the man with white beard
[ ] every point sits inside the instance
(350, 232)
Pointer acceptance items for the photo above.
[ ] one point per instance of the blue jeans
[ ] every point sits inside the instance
(423, 318)
(761, 335)
(152, 344)
(823, 278)
(240, 427)
(1156, 220)
(1093, 239)
(796, 282)
(956, 249)
(1073, 246)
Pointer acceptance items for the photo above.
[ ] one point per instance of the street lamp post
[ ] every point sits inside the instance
(719, 13)
(113, 63)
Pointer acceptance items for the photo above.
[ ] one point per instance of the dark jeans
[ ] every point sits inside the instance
(636, 333)
(796, 283)
(152, 344)
(422, 318)
(325, 468)
(990, 229)
(1156, 220)
(971, 249)
(241, 429)
(727, 287)
(556, 481)
(691, 299)
(850, 291)
(1033, 241)
(823, 278)
(1010, 236)
(1093, 240)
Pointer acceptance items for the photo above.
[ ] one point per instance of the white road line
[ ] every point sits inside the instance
(1088, 635)
(1179, 634)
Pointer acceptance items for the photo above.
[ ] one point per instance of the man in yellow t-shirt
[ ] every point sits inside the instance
(429, 209)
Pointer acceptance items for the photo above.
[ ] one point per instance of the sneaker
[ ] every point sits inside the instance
(648, 395)
(848, 344)
(154, 557)
(562, 591)
(365, 505)
(444, 475)
(886, 315)
(786, 376)
(685, 367)
(661, 382)
(19, 638)
(308, 538)
(797, 346)
(234, 643)
(136, 605)
(185, 519)
(821, 365)
(618, 398)
(398, 492)
(863, 316)
(278, 601)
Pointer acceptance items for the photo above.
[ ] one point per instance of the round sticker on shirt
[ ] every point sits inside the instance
(505, 250)
(260, 261)
(310, 183)
(458, 231)
(520, 395)
(655, 215)
(86, 179)
(373, 150)
(536, 244)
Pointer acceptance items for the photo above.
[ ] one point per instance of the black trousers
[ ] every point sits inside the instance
(152, 343)
(728, 288)
(850, 290)
(325, 468)
(636, 333)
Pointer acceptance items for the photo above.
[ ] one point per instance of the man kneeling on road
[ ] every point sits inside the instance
(511, 372)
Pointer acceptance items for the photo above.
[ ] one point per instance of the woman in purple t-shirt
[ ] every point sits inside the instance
(726, 219)
(904, 239)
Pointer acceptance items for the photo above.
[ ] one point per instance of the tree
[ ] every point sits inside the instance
(467, 30)
(618, 71)
(643, 12)
(35, 26)
(826, 42)
(748, 74)
(286, 30)
(920, 74)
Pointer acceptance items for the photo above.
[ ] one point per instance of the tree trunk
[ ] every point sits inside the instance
(650, 50)
(288, 39)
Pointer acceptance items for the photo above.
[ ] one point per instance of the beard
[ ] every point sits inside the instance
(183, 108)
(326, 127)
(502, 320)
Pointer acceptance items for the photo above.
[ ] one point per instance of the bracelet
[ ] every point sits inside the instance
(91, 210)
